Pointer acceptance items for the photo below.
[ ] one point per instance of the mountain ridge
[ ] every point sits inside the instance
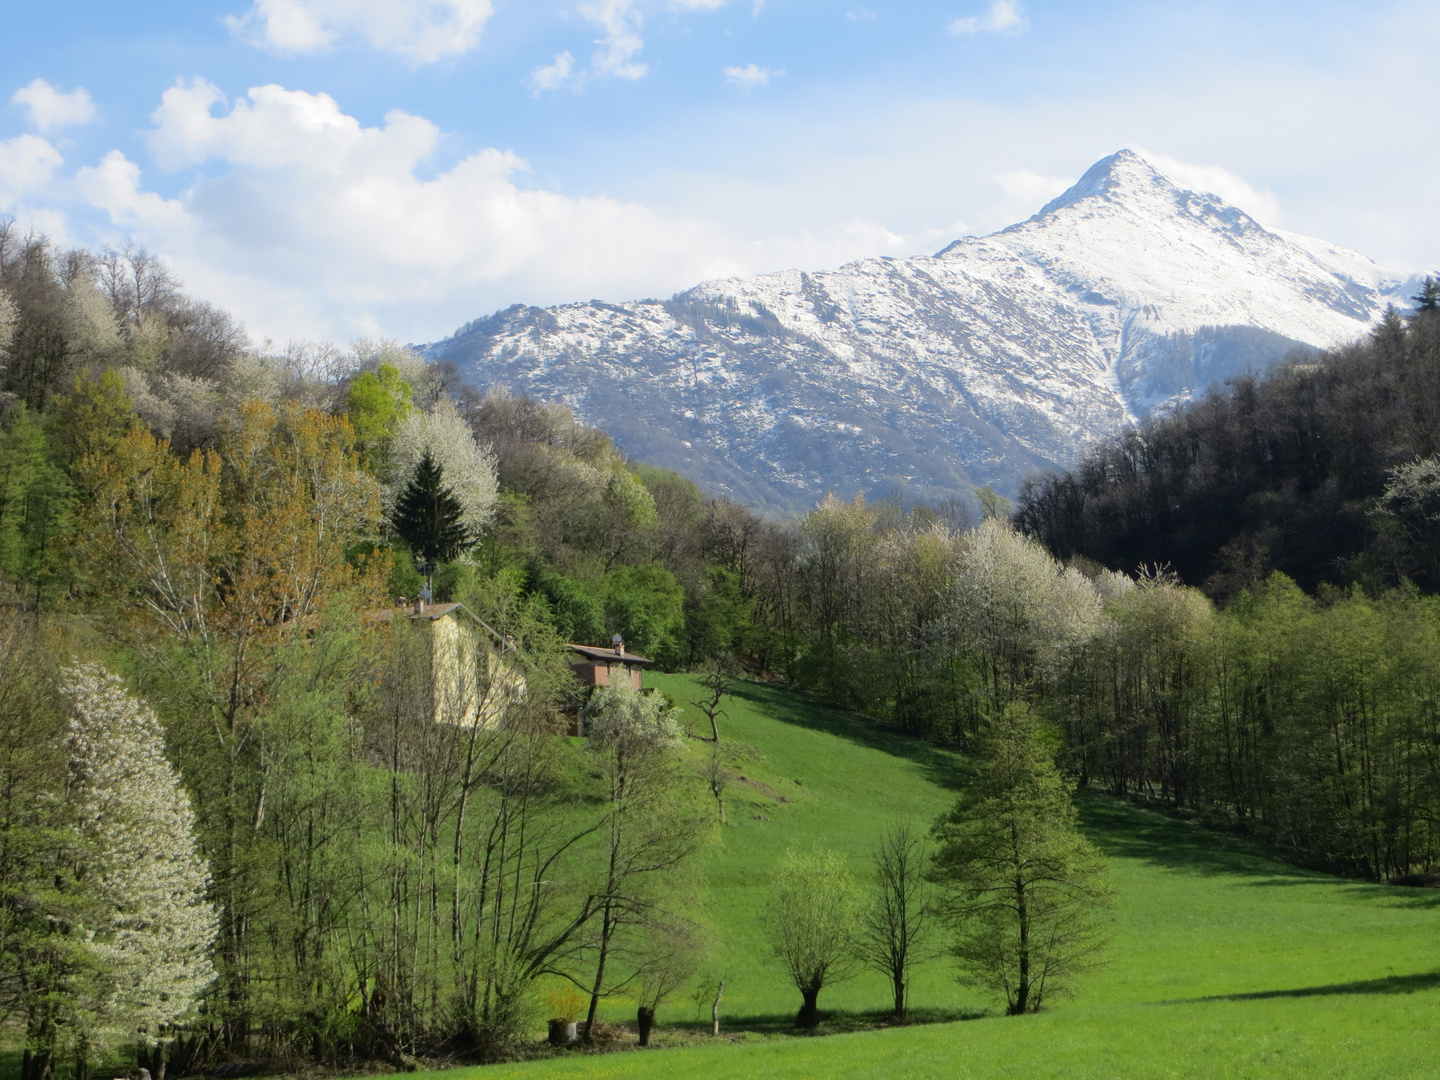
(998, 356)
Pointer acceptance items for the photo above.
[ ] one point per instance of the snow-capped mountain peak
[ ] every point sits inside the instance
(999, 355)
(1123, 177)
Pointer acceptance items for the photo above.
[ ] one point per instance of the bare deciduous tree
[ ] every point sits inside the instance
(716, 683)
(897, 926)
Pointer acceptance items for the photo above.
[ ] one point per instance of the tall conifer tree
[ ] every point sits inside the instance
(430, 519)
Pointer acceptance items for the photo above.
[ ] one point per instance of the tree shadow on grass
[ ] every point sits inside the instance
(941, 767)
(1121, 830)
(834, 1023)
(1391, 984)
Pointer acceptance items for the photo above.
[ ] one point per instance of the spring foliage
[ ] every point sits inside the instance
(810, 917)
(443, 434)
(1024, 885)
(156, 926)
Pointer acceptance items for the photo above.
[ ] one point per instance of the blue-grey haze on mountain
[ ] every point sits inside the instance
(926, 377)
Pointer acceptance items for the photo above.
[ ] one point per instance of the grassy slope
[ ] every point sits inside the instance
(852, 781)
(1225, 962)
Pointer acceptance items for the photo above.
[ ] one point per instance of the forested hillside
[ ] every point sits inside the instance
(1324, 470)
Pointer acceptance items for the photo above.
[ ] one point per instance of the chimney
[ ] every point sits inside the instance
(619, 643)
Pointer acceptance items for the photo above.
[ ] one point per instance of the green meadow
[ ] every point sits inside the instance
(1225, 962)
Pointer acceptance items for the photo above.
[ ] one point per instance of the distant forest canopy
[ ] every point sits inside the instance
(1324, 469)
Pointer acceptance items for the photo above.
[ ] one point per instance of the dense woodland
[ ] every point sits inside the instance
(1321, 469)
(218, 525)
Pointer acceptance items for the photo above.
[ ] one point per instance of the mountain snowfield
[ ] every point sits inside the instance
(999, 356)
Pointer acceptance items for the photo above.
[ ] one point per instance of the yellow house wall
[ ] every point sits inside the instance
(461, 696)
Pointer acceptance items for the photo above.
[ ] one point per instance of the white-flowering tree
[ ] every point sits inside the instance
(468, 468)
(8, 316)
(156, 927)
(1016, 610)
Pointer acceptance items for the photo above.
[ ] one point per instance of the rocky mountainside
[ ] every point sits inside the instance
(998, 356)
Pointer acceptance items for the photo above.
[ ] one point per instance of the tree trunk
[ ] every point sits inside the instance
(899, 985)
(35, 1065)
(809, 1014)
(1022, 984)
(605, 930)
(715, 1008)
(645, 1020)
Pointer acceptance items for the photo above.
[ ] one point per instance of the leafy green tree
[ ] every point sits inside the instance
(646, 605)
(577, 613)
(36, 500)
(377, 402)
(1023, 886)
(1428, 298)
(809, 919)
(91, 420)
(430, 519)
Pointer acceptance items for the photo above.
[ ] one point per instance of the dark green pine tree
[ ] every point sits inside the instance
(428, 518)
(1428, 298)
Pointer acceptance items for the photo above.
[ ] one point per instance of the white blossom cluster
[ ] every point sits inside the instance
(630, 721)
(1011, 597)
(469, 469)
(157, 929)
(8, 315)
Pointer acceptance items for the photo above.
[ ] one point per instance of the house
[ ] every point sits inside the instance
(598, 666)
(475, 673)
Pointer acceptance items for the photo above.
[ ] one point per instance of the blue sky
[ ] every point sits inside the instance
(332, 168)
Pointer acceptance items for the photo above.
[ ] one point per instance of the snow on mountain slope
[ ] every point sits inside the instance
(998, 356)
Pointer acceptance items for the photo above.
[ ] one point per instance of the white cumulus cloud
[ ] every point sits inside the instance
(1262, 205)
(50, 108)
(1002, 17)
(27, 162)
(305, 222)
(751, 75)
(422, 31)
(554, 74)
(316, 224)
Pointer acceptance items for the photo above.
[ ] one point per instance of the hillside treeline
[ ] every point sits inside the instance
(1309, 721)
(379, 880)
(216, 524)
(1324, 470)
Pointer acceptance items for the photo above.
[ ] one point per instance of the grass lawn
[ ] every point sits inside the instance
(1225, 962)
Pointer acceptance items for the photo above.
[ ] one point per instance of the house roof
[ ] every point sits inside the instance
(431, 612)
(608, 655)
